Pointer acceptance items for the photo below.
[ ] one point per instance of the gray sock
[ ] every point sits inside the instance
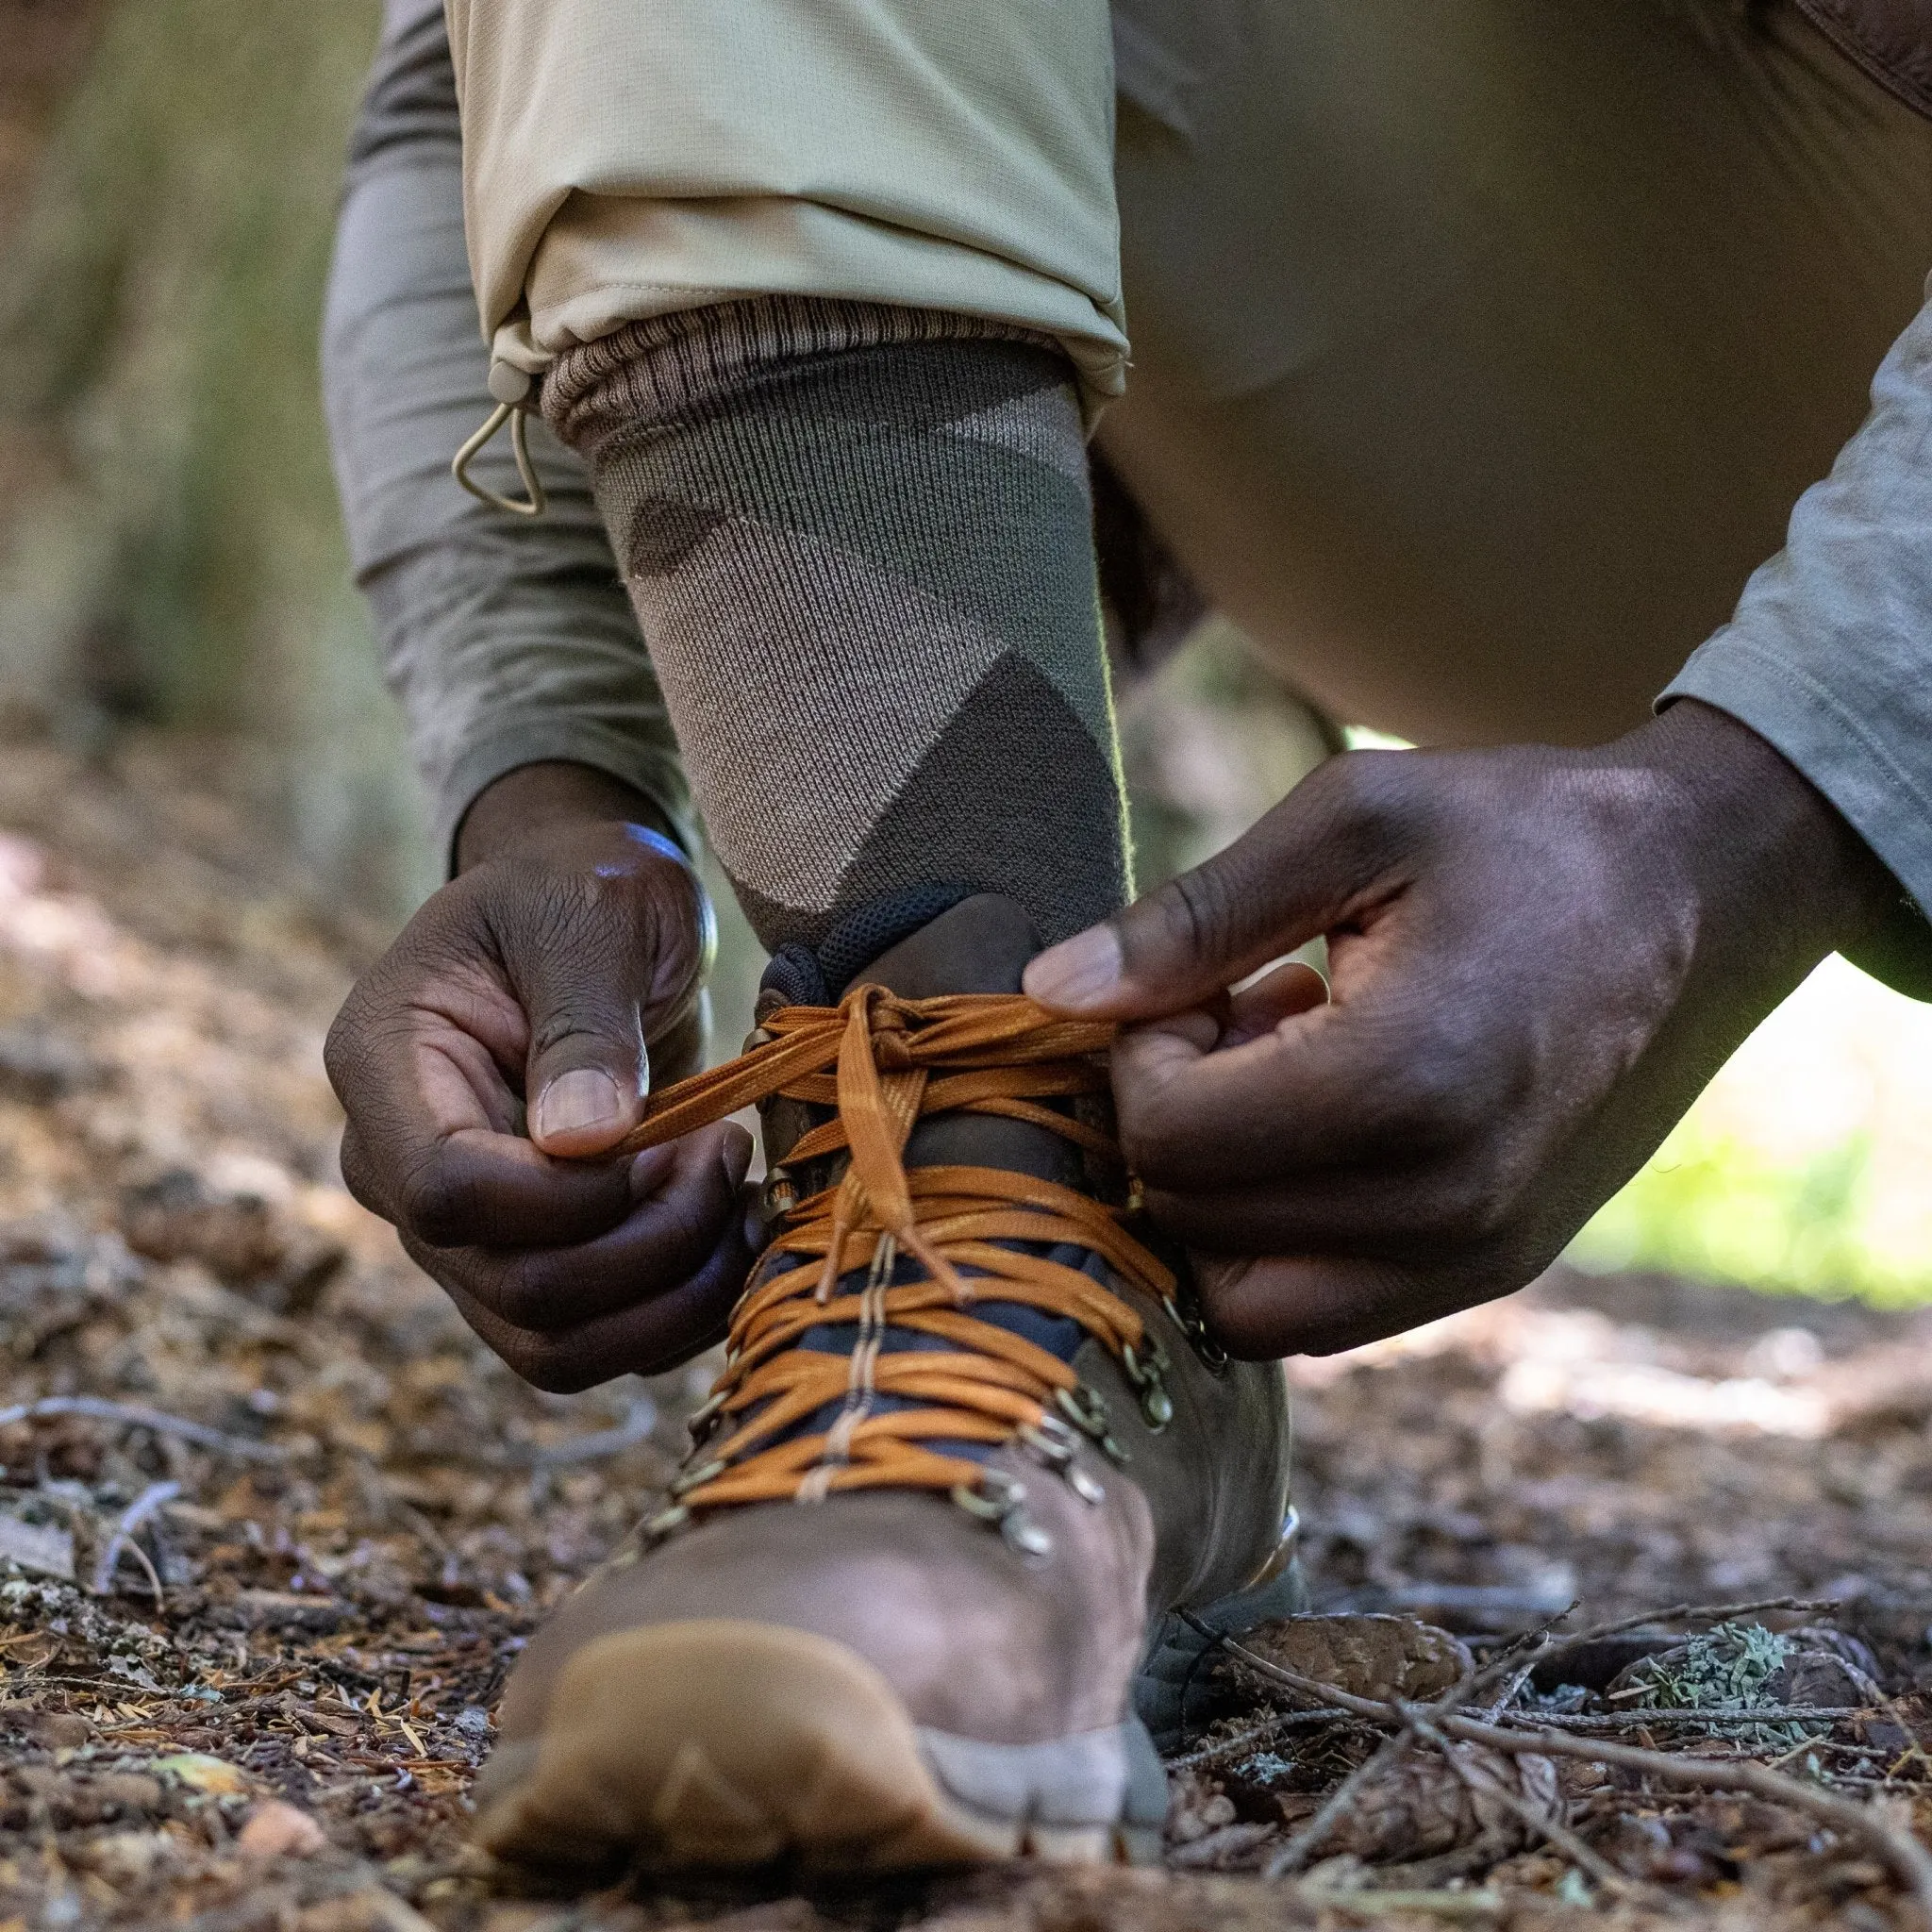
(858, 539)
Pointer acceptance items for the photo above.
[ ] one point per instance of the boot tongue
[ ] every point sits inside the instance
(980, 944)
(966, 945)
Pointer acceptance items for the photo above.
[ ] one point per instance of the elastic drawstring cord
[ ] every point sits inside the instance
(520, 445)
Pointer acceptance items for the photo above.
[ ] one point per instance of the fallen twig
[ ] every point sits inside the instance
(1253, 1738)
(1511, 1692)
(1443, 1905)
(132, 1518)
(133, 1415)
(1701, 1613)
(1899, 1849)
(1635, 1720)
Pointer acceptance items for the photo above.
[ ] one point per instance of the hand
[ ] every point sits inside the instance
(1539, 957)
(566, 963)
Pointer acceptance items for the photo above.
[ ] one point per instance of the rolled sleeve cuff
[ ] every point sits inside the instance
(1851, 763)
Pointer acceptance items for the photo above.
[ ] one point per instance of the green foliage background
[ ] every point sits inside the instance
(170, 550)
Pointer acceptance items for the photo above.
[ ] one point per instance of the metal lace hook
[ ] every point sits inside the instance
(519, 446)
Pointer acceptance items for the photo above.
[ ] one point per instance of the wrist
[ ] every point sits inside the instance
(1762, 828)
(538, 803)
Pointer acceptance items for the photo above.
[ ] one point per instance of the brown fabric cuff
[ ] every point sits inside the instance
(671, 364)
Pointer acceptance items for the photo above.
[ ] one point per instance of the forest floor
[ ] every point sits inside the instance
(273, 1526)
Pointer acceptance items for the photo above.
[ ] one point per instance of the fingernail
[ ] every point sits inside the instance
(1077, 971)
(574, 1103)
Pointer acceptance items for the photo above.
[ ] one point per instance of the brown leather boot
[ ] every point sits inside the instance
(969, 1438)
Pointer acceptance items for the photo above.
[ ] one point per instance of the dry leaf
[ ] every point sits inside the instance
(1367, 1656)
(42, 1549)
(1421, 1807)
(201, 1773)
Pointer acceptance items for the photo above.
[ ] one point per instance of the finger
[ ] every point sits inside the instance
(1272, 1305)
(665, 1238)
(1405, 1210)
(1373, 1080)
(1279, 995)
(409, 1076)
(643, 1340)
(1332, 845)
(479, 1189)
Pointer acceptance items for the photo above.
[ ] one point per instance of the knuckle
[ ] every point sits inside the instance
(1440, 1080)
(1146, 1126)
(359, 1175)
(1370, 794)
(522, 1294)
(1436, 1103)
(437, 1202)
(1142, 1140)
(344, 1053)
(1196, 912)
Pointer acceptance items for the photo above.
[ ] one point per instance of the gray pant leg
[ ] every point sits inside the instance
(506, 642)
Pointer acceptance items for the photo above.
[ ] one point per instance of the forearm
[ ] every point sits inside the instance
(509, 644)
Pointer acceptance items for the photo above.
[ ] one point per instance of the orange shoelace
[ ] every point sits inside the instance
(885, 1063)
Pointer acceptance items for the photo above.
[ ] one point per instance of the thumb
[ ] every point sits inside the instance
(1293, 876)
(588, 1070)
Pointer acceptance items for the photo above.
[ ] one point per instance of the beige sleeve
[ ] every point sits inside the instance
(623, 158)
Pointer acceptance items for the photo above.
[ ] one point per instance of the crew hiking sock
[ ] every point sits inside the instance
(860, 544)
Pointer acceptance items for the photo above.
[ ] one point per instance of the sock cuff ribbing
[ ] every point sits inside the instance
(699, 359)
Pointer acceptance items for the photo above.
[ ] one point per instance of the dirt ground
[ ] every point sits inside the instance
(272, 1526)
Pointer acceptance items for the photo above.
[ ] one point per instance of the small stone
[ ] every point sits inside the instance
(275, 1830)
(37, 1066)
(125, 1858)
(52, 1730)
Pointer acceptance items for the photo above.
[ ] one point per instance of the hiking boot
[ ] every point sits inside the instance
(970, 1439)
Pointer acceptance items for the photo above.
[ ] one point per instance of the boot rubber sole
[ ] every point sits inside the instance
(728, 1743)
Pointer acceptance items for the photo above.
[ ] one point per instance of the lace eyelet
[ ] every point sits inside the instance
(702, 1420)
(999, 1499)
(1056, 1446)
(1208, 1352)
(1086, 1409)
(661, 1525)
(697, 1478)
(1156, 1405)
